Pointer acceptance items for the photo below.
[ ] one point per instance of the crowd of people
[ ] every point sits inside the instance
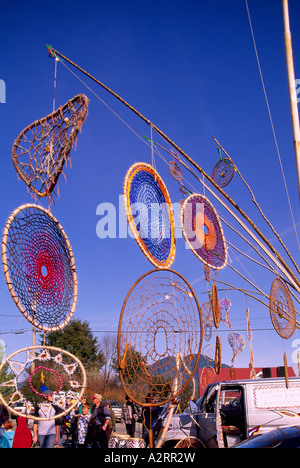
(85, 426)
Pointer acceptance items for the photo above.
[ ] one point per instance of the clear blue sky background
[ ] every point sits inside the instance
(190, 67)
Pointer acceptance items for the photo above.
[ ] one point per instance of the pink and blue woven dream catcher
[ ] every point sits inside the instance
(39, 267)
(150, 215)
(203, 232)
(36, 371)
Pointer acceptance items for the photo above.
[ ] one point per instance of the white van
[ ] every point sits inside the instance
(232, 411)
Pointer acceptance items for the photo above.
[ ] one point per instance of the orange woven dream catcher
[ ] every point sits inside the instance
(282, 311)
(42, 148)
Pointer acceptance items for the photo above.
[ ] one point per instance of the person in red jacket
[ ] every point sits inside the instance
(23, 437)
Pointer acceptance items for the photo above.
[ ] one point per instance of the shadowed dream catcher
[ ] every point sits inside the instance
(159, 337)
(41, 150)
(36, 369)
(282, 311)
(150, 215)
(39, 267)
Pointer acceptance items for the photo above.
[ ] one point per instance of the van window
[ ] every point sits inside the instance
(233, 413)
(208, 404)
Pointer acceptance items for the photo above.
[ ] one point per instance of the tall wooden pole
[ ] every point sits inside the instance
(292, 86)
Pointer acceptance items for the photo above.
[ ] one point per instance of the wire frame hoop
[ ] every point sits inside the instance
(72, 374)
(159, 337)
(282, 311)
(150, 214)
(203, 232)
(42, 148)
(223, 172)
(175, 170)
(39, 267)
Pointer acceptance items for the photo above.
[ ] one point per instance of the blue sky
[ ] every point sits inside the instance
(189, 67)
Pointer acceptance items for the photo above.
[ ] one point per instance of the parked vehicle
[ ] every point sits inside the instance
(285, 437)
(232, 411)
(117, 408)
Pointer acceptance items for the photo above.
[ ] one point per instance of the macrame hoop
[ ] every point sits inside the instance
(145, 191)
(223, 172)
(218, 355)
(197, 216)
(159, 337)
(282, 311)
(39, 268)
(42, 148)
(215, 305)
(30, 351)
(175, 170)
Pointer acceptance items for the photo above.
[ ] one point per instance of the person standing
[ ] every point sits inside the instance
(83, 427)
(131, 413)
(4, 416)
(101, 419)
(7, 437)
(23, 437)
(112, 423)
(46, 432)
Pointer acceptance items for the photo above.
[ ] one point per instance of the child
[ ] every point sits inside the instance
(83, 428)
(7, 437)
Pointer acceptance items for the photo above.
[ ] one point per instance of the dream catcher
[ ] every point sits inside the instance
(36, 369)
(41, 150)
(215, 305)
(224, 306)
(150, 214)
(159, 338)
(203, 232)
(237, 343)
(282, 311)
(39, 267)
(175, 170)
(223, 172)
(218, 355)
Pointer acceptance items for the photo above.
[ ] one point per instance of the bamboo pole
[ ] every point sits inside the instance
(292, 86)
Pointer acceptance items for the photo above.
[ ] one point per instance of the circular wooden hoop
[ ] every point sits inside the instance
(50, 348)
(282, 312)
(7, 272)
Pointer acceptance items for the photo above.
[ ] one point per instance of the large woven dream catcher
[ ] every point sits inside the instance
(203, 232)
(159, 337)
(35, 370)
(150, 215)
(42, 148)
(282, 311)
(39, 267)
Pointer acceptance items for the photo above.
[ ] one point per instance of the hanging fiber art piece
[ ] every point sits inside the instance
(39, 267)
(175, 170)
(159, 337)
(38, 371)
(218, 355)
(150, 214)
(224, 306)
(42, 148)
(237, 343)
(215, 305)
(203, 232)
(223, 172)
(282, 311)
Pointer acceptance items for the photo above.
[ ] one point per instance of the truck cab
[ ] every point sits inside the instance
(232, 411)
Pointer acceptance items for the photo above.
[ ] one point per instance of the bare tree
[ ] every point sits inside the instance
(108, 347)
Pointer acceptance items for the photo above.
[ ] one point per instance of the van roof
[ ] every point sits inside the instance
(267, 381)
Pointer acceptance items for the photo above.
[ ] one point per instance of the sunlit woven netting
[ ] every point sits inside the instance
(203, 232)
(41, 150)
(160, 337)
(39, 267)
(150, 215)
(282, 311)
(223, 172)
(36, 369)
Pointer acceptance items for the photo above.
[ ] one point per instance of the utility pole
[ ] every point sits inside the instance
(292, 86)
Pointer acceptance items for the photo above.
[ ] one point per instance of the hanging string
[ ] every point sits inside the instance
(55, 75)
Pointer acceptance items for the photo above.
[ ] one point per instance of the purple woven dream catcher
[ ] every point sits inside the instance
(203, 232)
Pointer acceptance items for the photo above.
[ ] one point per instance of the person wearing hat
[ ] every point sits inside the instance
(46, 432)
(101, 418)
